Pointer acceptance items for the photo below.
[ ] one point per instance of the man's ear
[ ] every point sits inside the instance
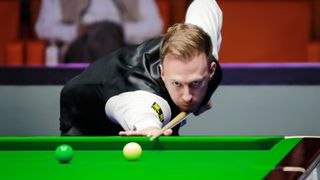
(212, 68)
(161, 72)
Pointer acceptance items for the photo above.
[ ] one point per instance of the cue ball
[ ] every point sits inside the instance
(64, 153)
(132, 151)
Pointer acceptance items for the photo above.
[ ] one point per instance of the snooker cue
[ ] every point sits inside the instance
(180, 117)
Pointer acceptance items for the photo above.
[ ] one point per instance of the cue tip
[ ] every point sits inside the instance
(154, 137)
(180, 117)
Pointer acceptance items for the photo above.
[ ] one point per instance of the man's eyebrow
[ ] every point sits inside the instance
(175, 79)
(198, 79)
(193, 80)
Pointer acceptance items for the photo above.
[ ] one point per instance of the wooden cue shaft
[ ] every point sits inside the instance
(180, 117)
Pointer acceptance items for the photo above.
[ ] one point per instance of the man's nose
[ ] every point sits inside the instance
(187, 95)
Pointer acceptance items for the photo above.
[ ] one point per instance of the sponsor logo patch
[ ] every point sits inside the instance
(158, 110)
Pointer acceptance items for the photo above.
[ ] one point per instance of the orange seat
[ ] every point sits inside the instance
(10, 27)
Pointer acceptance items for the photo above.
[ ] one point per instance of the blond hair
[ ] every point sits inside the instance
(184, 40)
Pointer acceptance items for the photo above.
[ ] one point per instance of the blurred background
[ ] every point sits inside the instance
(270, 54)
(253, 30)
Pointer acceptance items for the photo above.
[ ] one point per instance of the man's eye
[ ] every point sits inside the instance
(196, 83)
(176, 84)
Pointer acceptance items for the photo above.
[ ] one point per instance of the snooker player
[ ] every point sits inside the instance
(137, 90)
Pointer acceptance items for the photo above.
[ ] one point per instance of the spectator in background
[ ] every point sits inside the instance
(88, 29)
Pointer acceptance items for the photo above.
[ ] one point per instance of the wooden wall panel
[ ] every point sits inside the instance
(265, 30)
(164, 8)
(9, 24)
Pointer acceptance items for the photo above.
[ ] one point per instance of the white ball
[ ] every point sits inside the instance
(132, 151)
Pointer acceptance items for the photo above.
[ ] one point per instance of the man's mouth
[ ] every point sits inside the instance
(186, 106)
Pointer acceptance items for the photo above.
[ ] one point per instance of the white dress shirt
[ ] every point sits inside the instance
(133, 110)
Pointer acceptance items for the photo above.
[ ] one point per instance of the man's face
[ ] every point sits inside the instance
(187, 81)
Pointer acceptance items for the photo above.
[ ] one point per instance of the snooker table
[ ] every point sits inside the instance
(183, 157)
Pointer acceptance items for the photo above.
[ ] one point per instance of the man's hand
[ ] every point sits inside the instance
(145, 132)
(204, 108)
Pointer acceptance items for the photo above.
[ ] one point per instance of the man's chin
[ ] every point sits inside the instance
(187, 109)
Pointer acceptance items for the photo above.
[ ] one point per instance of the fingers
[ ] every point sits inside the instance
(135, 133)
(128, 133)
(167, 132)
(149, 133)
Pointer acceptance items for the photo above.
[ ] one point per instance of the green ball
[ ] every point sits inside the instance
(64, 153)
